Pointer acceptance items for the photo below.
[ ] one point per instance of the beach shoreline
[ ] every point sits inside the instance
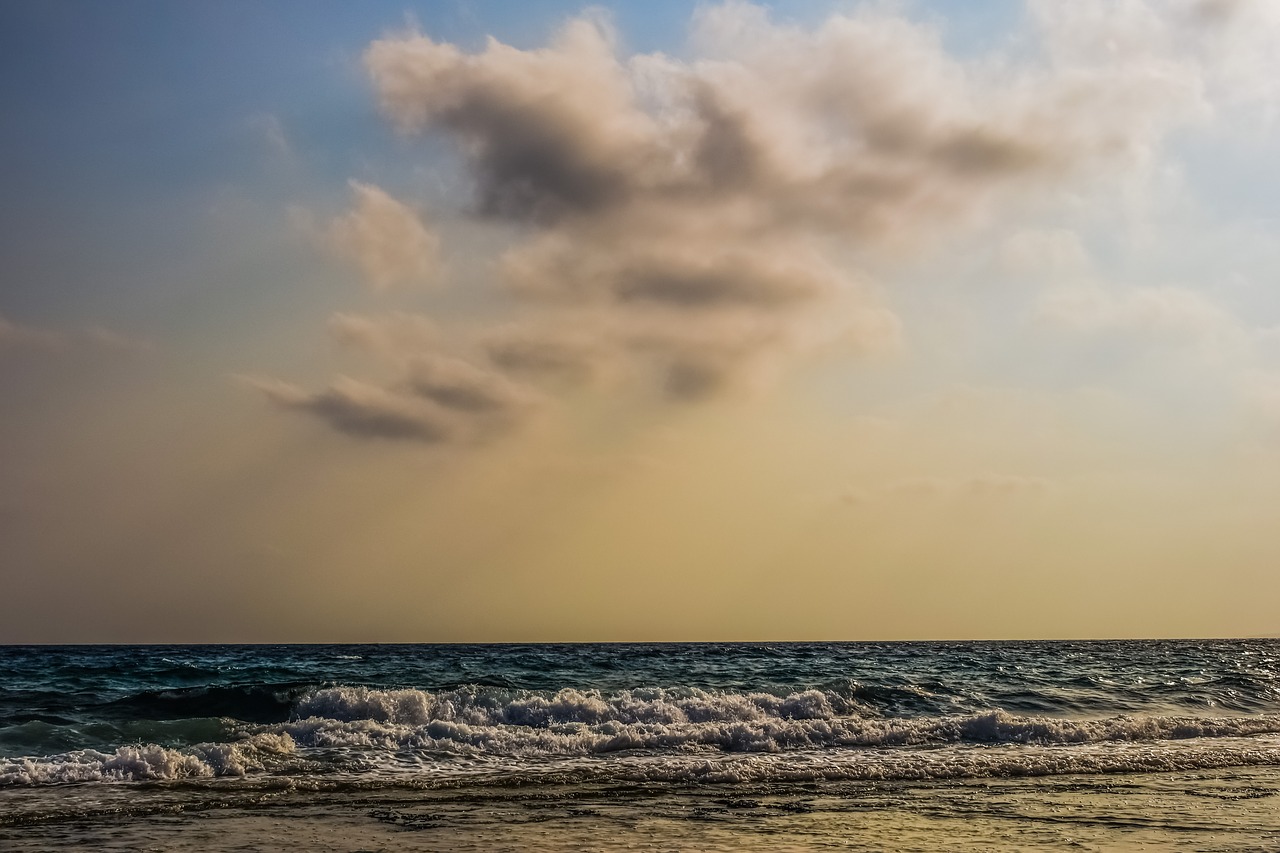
(1231, 810)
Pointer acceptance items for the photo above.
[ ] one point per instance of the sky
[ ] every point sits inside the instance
(486, 321)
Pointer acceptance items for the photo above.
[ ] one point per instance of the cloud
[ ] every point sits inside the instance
(110, 339)
(395, 334)
(1049, 253)
(1005, 485)
(92, 337)
(695, 224)
(15, 336)
(362, 410)
(919, 487)
(547, 132)
(270, 130)
(685, 266)
(986, 485)
(437, 400)
(669, 193)
(548, 353)
(857, 123)
(386, 240)
(455, 384)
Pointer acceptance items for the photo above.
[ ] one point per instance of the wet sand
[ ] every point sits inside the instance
(1226, 811)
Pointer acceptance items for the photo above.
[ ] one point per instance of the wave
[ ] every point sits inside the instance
(252, 703)
(146, 762)
(584, 722)
(289, 765)
(648, 734)
(490, 707)
(954, 762)
(43, 738)
(805, 717)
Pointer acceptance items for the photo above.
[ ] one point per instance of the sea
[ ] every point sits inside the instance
(901, 746)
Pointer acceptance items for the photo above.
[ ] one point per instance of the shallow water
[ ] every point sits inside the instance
(962, 746)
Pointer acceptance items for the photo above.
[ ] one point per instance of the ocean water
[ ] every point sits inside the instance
(876, 746)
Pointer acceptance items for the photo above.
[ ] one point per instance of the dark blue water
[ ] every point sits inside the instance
(428, 715)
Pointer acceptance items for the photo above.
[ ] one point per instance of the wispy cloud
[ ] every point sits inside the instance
(361, 410)
(437, 400)
(978, 486)
(110, 339)
(17, 336)
(269, 129)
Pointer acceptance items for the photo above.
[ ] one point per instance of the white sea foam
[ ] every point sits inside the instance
(774, 735)
(149, 762)
(488, 707)
(381, 766)
(955, 761)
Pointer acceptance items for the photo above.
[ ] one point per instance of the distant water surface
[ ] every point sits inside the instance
(728, 746)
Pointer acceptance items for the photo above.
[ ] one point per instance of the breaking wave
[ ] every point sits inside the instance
(657, 734)
(149, 762)
(589, 722)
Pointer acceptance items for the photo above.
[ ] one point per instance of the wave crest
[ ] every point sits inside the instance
(656, 734)
(481, 707)
(573, 722)
(149, 762)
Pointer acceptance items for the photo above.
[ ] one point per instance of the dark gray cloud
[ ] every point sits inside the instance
(709, 280)
(696, 378)
(362, 410)
(545, 353)
(864, 111)
(538, 127)
(455, 384)
(438, 400)
(682, 266)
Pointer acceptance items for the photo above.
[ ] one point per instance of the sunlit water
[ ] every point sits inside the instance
(894, 746)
